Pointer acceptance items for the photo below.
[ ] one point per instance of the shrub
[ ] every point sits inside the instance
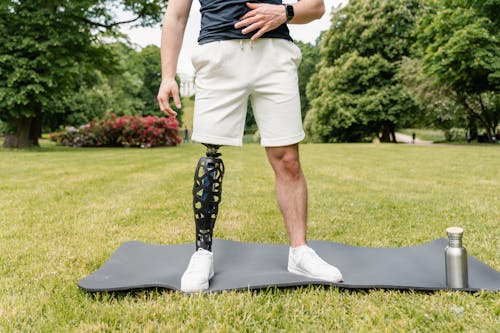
(125, 131)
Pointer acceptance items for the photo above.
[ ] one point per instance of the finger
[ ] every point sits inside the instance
(250, 24)
(247, 15)
(243, 23)
(258, 34)
(177, 100)
(252, 27)
(246, 23)
(254, 5)
(168, 111)
(263, 28)
(175, 96)
(165, 107)
(247, 19)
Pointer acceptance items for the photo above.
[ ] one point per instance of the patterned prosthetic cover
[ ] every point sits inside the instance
(207, 191)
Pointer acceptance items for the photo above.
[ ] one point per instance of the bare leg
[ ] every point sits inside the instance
(291, 191)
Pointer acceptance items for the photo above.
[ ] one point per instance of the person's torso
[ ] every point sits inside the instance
(218, 18)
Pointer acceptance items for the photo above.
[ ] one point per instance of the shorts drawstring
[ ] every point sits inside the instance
(250, 42)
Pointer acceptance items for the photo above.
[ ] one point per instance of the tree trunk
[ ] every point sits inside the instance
(21, 139)
(387, 131)
(36, 128)
(472, 129)
(393, 133)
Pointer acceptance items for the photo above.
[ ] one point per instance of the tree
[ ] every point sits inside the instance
(126, 84)
(438, 102)
(439, 105)
(146, 66)
(49, 50)
(130, 90)
(354, 91)
(102, 94)
(310, 58)
(459, 45)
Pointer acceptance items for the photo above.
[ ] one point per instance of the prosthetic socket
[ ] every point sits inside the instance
(207, 191)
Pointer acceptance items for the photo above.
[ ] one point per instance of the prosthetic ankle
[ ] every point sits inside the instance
(207, 191)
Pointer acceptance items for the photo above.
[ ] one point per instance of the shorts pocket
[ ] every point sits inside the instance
(288, 53)
(206, 57)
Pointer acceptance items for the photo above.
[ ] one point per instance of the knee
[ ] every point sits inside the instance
(287, 165)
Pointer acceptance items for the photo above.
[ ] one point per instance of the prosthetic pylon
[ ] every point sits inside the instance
(207, 191)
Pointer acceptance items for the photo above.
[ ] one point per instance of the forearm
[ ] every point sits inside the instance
(174, 24)
(264, 17)
(307, 11)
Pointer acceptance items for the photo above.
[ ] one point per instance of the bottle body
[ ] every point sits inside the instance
(455, 256)
(456, 267)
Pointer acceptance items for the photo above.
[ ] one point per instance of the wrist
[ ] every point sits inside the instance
(167, 78)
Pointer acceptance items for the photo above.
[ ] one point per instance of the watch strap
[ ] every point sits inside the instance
(289, 12)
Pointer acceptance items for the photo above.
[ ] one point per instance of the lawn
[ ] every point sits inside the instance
(64, 211)
(188, 109)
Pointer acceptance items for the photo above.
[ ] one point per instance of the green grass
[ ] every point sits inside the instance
(64, 211)
(187, 116)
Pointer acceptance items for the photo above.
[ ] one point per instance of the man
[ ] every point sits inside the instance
(245, 51)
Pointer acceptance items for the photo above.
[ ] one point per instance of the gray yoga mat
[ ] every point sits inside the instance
(247, 266)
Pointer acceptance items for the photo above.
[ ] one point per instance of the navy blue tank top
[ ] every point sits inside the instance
(218, 18)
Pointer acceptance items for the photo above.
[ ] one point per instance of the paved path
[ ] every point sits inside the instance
(403, 138)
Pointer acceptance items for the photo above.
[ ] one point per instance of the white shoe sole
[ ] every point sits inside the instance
(303, 273)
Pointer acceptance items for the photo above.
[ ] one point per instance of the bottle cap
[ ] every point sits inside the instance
(454, 231)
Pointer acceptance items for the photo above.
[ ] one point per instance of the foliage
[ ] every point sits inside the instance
(438, 102)
(146, 64)
(126, 84)
(49, 50)
(310, 58)
(460, 49)
(250, 122)
(354, 91)
(125, 131)
(93, 100)
(131, 90)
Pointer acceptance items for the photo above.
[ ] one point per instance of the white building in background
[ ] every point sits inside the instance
(187, 88)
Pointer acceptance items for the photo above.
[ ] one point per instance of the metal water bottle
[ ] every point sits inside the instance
(455, 259)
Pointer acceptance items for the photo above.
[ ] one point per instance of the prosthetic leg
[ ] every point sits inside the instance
(207, 191)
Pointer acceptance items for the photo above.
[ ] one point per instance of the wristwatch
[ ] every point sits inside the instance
(289, 12)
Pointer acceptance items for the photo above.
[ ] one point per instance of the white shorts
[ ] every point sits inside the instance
(230, 72)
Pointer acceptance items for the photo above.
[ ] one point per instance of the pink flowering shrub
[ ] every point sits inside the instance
(125, 131)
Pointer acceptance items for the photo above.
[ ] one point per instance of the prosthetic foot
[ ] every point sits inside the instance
(207, 190)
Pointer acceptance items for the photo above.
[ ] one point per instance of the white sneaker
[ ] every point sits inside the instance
(199, 271)
(303, 260)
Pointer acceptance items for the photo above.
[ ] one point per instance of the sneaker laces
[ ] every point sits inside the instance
(197, 260)
(309, 256)
(200, 253)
